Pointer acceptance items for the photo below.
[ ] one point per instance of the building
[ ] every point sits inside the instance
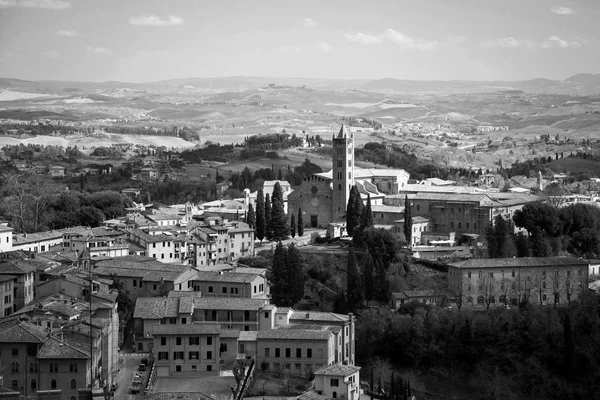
(35, 360)
(6, 236)
(420, 225)
(338, 381)
(148, 174)
(57, 171)
(184, 349)
(23, 286)
(161, 245)
(231, 284)
(428, 297)
(220, 241)
(503, 281)
(142, 276)
(323, 196)
(7, 293)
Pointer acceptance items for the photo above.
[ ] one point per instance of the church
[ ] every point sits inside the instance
(323, 196)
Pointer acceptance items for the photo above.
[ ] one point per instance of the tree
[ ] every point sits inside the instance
(556, 279)
(260, 216)
(488, 287)
(538, 243)
(351, 220)
(268, 224)
(366, 217)
(522, 245)
(568, 362)
(540, 215)
(499, 239)
(295, 276)
(251, 217)
(293, 226)
(300, 223)
(407, 222)
(490, 238)
(278, 279)
(354, 291)
(382, 286)
(279, 225)
(368, 278)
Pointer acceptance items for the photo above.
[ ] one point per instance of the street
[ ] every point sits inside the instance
(131, 362)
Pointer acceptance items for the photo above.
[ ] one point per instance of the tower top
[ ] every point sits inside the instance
(343, 132)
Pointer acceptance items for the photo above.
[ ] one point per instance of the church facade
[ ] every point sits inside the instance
(323, 196)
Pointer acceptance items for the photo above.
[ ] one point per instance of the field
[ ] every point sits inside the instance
(575, 165)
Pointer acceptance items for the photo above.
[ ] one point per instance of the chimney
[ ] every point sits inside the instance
(307, 315)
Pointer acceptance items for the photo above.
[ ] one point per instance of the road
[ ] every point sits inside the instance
(131, 362)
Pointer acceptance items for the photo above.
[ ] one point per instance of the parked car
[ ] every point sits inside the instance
(142, 367)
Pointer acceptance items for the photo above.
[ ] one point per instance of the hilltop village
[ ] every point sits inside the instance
(164, 294)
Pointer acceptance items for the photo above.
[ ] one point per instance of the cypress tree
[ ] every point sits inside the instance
(260, 215)
(293, 226)
(353, 282)
(350, 212)
(294, 276)
(279, 225)
(568, 348)
(492, 245)
(368, 278)
(268, 224)
(251, 217)
(382, 293)
(300, 223)
(407, 222)
(366, 217)
(279, 177)
(358, 207)
(278, 276)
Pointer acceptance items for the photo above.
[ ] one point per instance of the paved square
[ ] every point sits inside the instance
(205, 384)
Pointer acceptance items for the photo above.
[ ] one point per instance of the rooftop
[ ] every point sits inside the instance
(318, 316)
(189, 329)
(283, 333)
(520, 262)
(338, 370)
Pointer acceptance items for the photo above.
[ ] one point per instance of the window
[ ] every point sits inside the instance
(459, 225)
(178, 355)
(298, 353)
(154, 286)
(178, 340)
(209, 355)
(73, 384)
(14, 366)
(224, 290)
(267, 352)
(153, 245)
(479, 275)
(173, 320)
(209, 368)
(469, 288)
(183, 321)
(491, 274)
(15, 352)
(73, 367)
(288, 353)
(33, 384)
(163, 341)
(513, 273)
(178, 368)
(334, 382)
(277, 352)
(162, 256)
(469, 274)
(53, 384)
(544, 285)
(163, 355)
(309, 353)
(134, 283)
(451, 224)
(15, 384)
(194, 340)
(210, 289)
(266, 314)
(209, 340)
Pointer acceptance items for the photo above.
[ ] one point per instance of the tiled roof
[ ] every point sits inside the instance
(481, 199)
(248, 336)
(150, 270)
(312, 396)
(17, 267)
(6, 278)
(228, 277)
(22, 332)
(188, 329)
(520, 262)
(294, 334)
(186, 305)
(227, 303)
(318, 316)
(54, 348)
(337, 370)
(283, 310)
(416, 188)
(156, 307)
(230, 333)
(374, 172)
(382, 208)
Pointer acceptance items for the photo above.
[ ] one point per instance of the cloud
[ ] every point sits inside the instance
(154, 20)
(457, 39)
(98, 50)
(511, 42)
(288, 49)
(309, 22)
(562, 10)
(68, 33)
(49, 4)
(52, 54)
(325, 47)
(391, 36)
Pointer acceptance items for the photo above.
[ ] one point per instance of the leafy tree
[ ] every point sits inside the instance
(354, 291)
(300, 223)
(260, 216)
(538, 243)
(499, 239)
(268, 214)
(407, 222)
(522, 245)
(287, 277)
(279, 226)
(382, 285)
(366, 217)
(540, 215)
(251, 217)
(293, 226)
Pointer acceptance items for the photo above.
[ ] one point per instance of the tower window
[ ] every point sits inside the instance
(349, 163)
(340, 187)
(340, 163)
(349, 175)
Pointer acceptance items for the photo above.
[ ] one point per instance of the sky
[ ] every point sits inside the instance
(150, 40)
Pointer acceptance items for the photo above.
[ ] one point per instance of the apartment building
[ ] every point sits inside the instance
(37, 361)
(224, 241)
(6, 235)
(7, 285)
(186, 349)
(23, 287)
(230, 283)
(503, 281)
(161, 245)
(143, 276)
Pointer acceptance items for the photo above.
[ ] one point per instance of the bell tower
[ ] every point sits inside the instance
(343, 172)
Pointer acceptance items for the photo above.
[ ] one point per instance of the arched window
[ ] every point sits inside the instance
(502, 299)
(33, 384)
(492, 300)
(480, 300)
(73, 384)
(75, 367)
(14, 366)
(53, 384)
(73, 398)
(15, 384)
(30, 367)
(470, 299)
(70, 367)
